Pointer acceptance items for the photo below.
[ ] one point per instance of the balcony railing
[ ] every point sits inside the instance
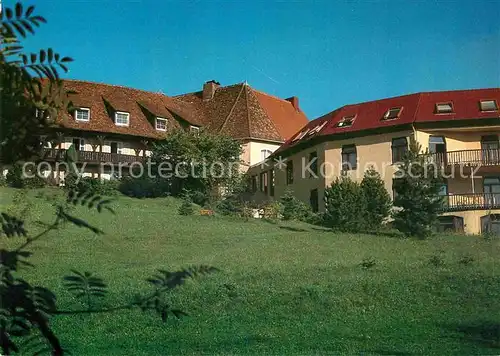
(472, 201)
(51, 154)
(486, 157)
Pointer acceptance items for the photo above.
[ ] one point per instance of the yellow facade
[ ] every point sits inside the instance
(465, 180)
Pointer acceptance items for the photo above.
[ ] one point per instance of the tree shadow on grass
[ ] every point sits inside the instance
(389, 352)
(483, 333)
(295, 229)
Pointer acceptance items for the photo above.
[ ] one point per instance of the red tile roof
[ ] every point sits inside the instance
(417, 109)
(236, 110)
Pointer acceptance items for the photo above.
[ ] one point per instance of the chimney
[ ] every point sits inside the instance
(295, 102)
(209, 89)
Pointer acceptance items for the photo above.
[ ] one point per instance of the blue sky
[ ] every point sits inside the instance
(328, 53)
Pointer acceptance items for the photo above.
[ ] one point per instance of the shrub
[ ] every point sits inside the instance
(345, 205)
(376, 198)
(230, 206)
(293, 208)
(97, 186)
(15, 179)
(144, 187)
(186, 207)
(272, 210)
(198, 197)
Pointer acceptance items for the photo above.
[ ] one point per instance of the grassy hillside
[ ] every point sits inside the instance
(283, 289)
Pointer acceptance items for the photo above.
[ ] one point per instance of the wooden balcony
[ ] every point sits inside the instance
(472, 201)
(51, 154)
(489, 157)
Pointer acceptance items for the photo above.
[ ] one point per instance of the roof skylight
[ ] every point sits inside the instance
(444, 108)
(488, 105)
(392, 113)
(346, 121)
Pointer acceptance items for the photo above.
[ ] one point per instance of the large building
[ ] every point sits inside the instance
(459, 128)
(117, 125)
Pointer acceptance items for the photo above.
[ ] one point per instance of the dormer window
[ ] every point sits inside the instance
(346, 121)
(122, 118)
(161, 124)
(444, 108)
(82, 114)
(393, 113)
(488, 105)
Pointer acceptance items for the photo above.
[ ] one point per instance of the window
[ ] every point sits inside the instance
(491, 188)
(490, 224)
(399, 149)
(116, 147)
(82, 114)
(450, 224)
(313, 163)
(346, 121)
(122, 118)
(313, 200)
(263, 182)
(264, 154)
(195, 130)
(490, 149)
(271, 182)
(444, 108)
(289, 172)
(488, 105)
(392, 113)
(161, 124)
(79, 144)
(349, 158)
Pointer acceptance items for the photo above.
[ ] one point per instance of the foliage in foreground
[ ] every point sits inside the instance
(26, 309)
(417, 186)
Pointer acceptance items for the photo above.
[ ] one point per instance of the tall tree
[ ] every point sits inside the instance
(417, 184)
(377, 199)
(205, 163)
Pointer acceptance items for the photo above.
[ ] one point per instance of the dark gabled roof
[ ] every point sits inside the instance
(243, 112)
(103, 100)
(236, 110)
(416, 109)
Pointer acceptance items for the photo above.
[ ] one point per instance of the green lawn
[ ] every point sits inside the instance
(284, 288)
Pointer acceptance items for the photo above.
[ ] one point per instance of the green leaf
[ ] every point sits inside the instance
(42, 55)
(19, 10)
(50, 54)
(29, 11)
(19, 29)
